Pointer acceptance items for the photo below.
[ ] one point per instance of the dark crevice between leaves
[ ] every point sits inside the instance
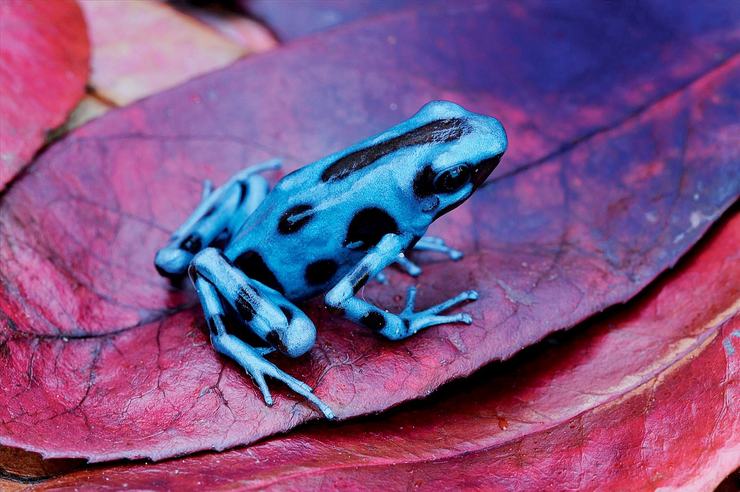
(21, 479)
(228, 7)
(25, 467)
(731, 483)
(458, 388)
(92, 91)
(23, 171)
(52, 135)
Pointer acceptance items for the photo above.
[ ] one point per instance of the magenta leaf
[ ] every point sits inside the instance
(617, 165)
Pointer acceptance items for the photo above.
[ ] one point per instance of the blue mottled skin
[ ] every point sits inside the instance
(328, 228)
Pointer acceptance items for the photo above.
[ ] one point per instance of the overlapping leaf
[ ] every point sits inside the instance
(616, 167)
(292, 20)
(130, 63)
(643, 398)
(44, 55)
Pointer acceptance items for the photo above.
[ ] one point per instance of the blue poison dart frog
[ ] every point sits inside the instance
(328, 228)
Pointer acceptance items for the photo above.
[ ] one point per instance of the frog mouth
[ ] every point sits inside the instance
(484, 169)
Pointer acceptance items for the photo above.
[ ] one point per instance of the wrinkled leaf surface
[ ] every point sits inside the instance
(643, 398)
(617, 165)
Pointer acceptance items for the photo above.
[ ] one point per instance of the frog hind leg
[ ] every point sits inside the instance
(220, 213)
(265, 311)
(343, 298)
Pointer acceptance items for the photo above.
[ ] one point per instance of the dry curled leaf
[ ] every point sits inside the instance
(143, 47)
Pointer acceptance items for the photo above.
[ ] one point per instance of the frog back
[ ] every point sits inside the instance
(307, 234)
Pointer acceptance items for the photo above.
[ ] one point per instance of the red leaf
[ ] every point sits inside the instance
(615, 169)
(130, 63)
(643, 398)
(44, 57)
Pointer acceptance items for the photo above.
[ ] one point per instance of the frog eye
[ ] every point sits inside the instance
(452, 179)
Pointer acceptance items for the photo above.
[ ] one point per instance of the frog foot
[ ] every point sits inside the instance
(430, 316)
(258, 368)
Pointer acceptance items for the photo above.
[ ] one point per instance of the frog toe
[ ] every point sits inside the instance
(416, 321)
(408, 266)
(438, 245)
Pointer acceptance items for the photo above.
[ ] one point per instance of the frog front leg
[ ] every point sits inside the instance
(217, 217)
(343, 297)
(265, 311)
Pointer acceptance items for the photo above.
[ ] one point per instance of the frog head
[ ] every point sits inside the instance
(466, 148)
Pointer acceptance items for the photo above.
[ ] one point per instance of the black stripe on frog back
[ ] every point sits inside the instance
(438, 131)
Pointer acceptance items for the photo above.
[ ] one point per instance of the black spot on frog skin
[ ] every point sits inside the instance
(288, 313)
(274, 339)
(243, 190)
(438, 131)
(255, 267)
(295, 218)
(360, 282)
(424, 182)
(373, 320)
(244, 306)
(368, 227)
(222, 240)
(320, 272)
(192, 244)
